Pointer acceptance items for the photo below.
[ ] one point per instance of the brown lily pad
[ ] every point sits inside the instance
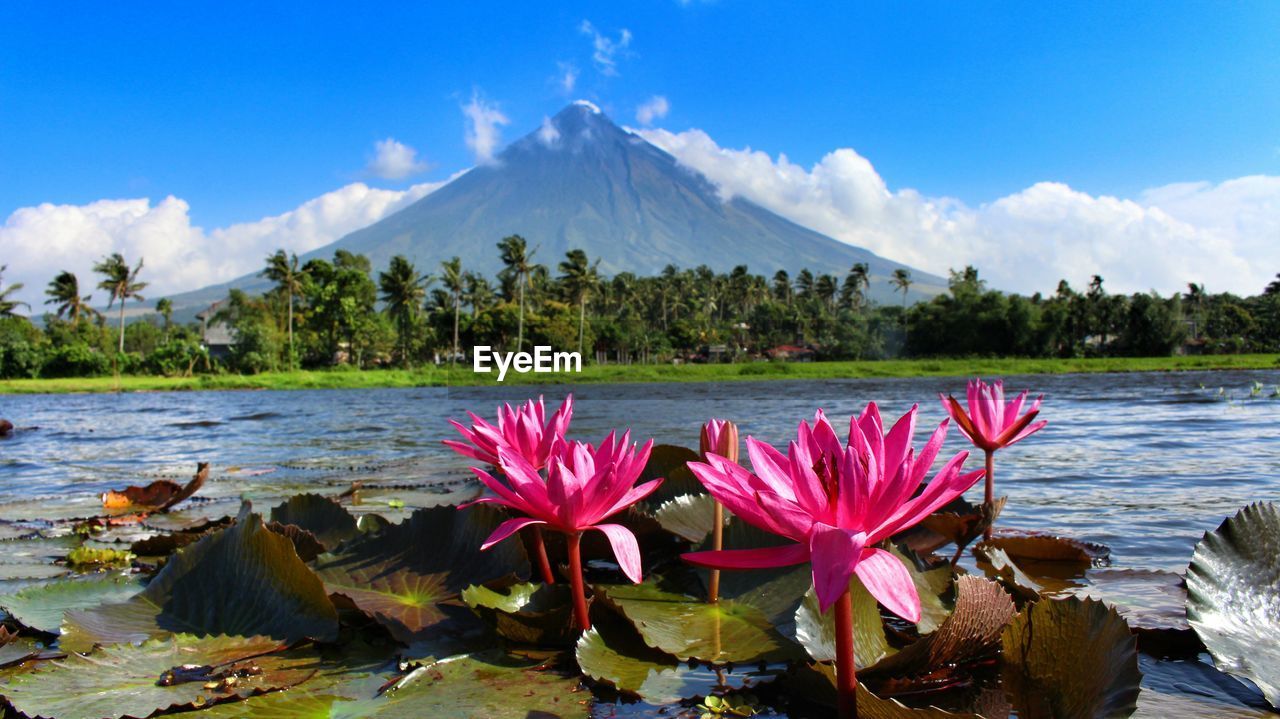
(160, 495)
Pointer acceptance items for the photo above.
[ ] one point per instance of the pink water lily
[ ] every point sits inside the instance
(992, 424)
(584, 486)
(836, 501)
(525, 431)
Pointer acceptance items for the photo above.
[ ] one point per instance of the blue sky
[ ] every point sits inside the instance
(244, 112)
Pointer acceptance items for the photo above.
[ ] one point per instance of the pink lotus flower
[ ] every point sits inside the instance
(524, 431)
(584, 486)
(836, 501)
(719, 436)
(990, 422)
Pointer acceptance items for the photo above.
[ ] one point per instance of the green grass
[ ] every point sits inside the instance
(463, 376)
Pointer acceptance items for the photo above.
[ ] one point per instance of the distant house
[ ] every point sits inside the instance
(216, 336)
(791, 353)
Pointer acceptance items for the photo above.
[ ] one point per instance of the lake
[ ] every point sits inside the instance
(1143, 463)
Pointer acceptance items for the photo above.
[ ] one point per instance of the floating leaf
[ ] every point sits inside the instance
(972, 632)
(688, 627)
(1048, 554)
(41, 607)
(689, 516)
(141, 680)
(1070, 658)
(409, 576)
(817, 684)
(670, 463)
(88, 558)
(816, 632)
(1233, 596)
(304, 542)
(997, 565)
(244, 580)
(323, 517)
(528, 613)
(492, 684)
(160, 495)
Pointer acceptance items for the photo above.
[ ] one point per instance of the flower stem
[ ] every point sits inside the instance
(717, 543)
(540, 549)
(580, 615)
(989, 500)
(846, 670)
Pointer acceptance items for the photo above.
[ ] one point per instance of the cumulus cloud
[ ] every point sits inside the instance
(548, 134)
(484, 127)
(567, 77)
(43, 240)
(655, 108)
(1220, 234)
(606, 50)
(394, 160)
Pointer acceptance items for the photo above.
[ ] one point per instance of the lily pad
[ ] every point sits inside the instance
(689, 627)
(141, 680)
(670, 463)
(243, 581)
(972, 632)
(322, 516)
(817, 684)
(160, 495)
(1048, 554)
(41, 607)
(817, 634)
(1070, 658)
(689, 516)
(996, 564)
(613, 653)
(526, 612)
(1233, 596)
(409, 576)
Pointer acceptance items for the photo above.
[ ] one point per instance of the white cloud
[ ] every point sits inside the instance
(567, 78)
(1222, 235)
(43, 240)
(606, 50)
(394, 160)
(484, 127)
(548, 134)
(655, 108)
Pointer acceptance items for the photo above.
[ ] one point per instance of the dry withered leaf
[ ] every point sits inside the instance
(158, 496)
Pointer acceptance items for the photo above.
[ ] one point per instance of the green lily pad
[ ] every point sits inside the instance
(243, 581)
(138, 681)
(528, 613)
(322, 516)
(491, 684)
(1233, 596)
(670, 463)
(613, 653)
(689, 627)
(1070, 658)
(41, 607)
(816, 632)
(689, 516)
(972, 632)
(409, 576)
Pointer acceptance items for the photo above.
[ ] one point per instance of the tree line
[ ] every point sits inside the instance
(340, 311)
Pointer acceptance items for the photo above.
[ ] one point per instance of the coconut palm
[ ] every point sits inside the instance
(283, 270)
(164, 307)
(454, 281)
(121, 282)
(64, 292)
(580, 280)
(852, 293)
(901, 281)
(7, 306)
(404, 291)
(517, 256)
(479, 295)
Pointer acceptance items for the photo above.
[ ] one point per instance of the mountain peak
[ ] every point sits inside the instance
(589, 105)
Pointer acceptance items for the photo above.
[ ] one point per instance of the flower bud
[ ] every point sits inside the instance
(720, 436)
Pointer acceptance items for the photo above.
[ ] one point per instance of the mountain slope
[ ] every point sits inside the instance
(583, 182)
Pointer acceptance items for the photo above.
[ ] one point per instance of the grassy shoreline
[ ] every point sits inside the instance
(463, 376)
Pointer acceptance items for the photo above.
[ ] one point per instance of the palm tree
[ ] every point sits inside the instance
(782, 286)
(404, 290)
(7, 306)
(855, 283)
(580, 279)
(64, 291)
(121, 282)
(902, 282)
(479, 294)
(1195, 298)
(164, 306)
(455, 282)
(516, 256)
(283, 270)
(1274, 287)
